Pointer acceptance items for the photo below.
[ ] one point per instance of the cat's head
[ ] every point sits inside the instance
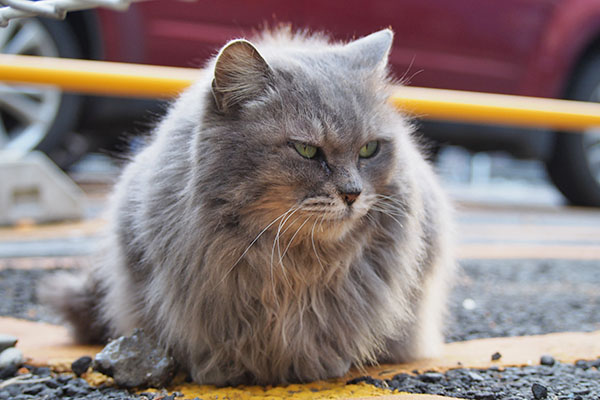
(306, 139)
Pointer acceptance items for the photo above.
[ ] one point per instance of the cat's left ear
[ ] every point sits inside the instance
(241, 74)
(371, 51)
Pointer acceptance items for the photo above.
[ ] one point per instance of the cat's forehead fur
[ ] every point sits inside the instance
(318, 91)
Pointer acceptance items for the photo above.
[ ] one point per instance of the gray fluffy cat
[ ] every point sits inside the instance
(280, 226)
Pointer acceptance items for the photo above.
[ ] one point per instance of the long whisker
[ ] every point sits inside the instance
(388, 213)
(321, 222)
(393, 200)
(271, 269)
(292, 239)
(312, 239)
(276, 242)
(288, 214)
(249, 246)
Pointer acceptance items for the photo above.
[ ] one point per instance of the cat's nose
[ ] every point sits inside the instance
(350, 197)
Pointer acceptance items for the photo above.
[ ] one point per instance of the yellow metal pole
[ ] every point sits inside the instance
(455, 105)
(121, 79)
(97, 77)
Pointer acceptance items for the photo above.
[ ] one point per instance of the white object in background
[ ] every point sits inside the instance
(33, 188)
(53, 8)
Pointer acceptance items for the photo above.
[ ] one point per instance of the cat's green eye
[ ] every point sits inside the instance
(369, 149)
(305, 150)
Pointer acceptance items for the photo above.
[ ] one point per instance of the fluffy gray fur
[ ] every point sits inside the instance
(241, 256)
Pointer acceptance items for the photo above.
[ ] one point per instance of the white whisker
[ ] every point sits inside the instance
(292, 239)
(276, 242)
(249, 246)
(312, 239)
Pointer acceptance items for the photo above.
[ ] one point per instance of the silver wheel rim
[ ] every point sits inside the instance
(591, 143)
(26, 112)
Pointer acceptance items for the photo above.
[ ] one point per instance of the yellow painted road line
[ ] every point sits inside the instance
(137, 80)
(512, 241)
(541, 234)
(527, 251)
(87, 227)
(30, 263)
(47, 344)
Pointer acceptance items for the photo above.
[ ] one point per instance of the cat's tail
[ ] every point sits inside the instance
(75, 298)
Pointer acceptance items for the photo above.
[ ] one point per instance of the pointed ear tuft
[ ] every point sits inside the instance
(371, 51)
(241, 74)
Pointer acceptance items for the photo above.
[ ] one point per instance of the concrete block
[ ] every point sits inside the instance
(33, 188)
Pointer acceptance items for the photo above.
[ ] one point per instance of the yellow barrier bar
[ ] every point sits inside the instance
(122, 79)
(97, 77)
(455, 105)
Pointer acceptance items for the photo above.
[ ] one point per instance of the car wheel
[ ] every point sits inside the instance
(575, 164)
(38, 117)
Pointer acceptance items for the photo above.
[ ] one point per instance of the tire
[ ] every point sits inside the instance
(39, 118)
(574, 166)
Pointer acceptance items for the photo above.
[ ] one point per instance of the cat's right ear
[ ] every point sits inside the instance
(241, 74)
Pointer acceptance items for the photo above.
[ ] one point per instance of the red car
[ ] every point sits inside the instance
(547, 48)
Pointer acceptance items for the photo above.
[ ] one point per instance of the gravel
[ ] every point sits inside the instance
(41, 383)
(561, 382)
(17, 291)
(499, 298)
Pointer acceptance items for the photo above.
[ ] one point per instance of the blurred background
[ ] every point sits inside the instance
(545, 48)
(527, 199)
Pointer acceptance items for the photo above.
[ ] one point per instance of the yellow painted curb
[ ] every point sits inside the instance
(407, 396)
(315, 390)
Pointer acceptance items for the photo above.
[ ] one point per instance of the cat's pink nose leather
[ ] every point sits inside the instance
(350, 198)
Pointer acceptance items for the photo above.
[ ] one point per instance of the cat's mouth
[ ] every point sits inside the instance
(342, 215)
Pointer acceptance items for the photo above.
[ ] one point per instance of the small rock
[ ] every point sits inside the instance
(539, 391)
(42, 371)
(582, 392)
(582, 364)
(8, 372)
(81, 365)
(74, 390)
(34, 389)
(11, 356)
(496, 356)
(52, 383)
(469, 304)
(474, 376)
(23, 371)
(135, 361)
(7, 341)
(431, 377)
(547, 360)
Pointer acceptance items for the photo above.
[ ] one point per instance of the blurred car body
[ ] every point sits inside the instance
(546, 48)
